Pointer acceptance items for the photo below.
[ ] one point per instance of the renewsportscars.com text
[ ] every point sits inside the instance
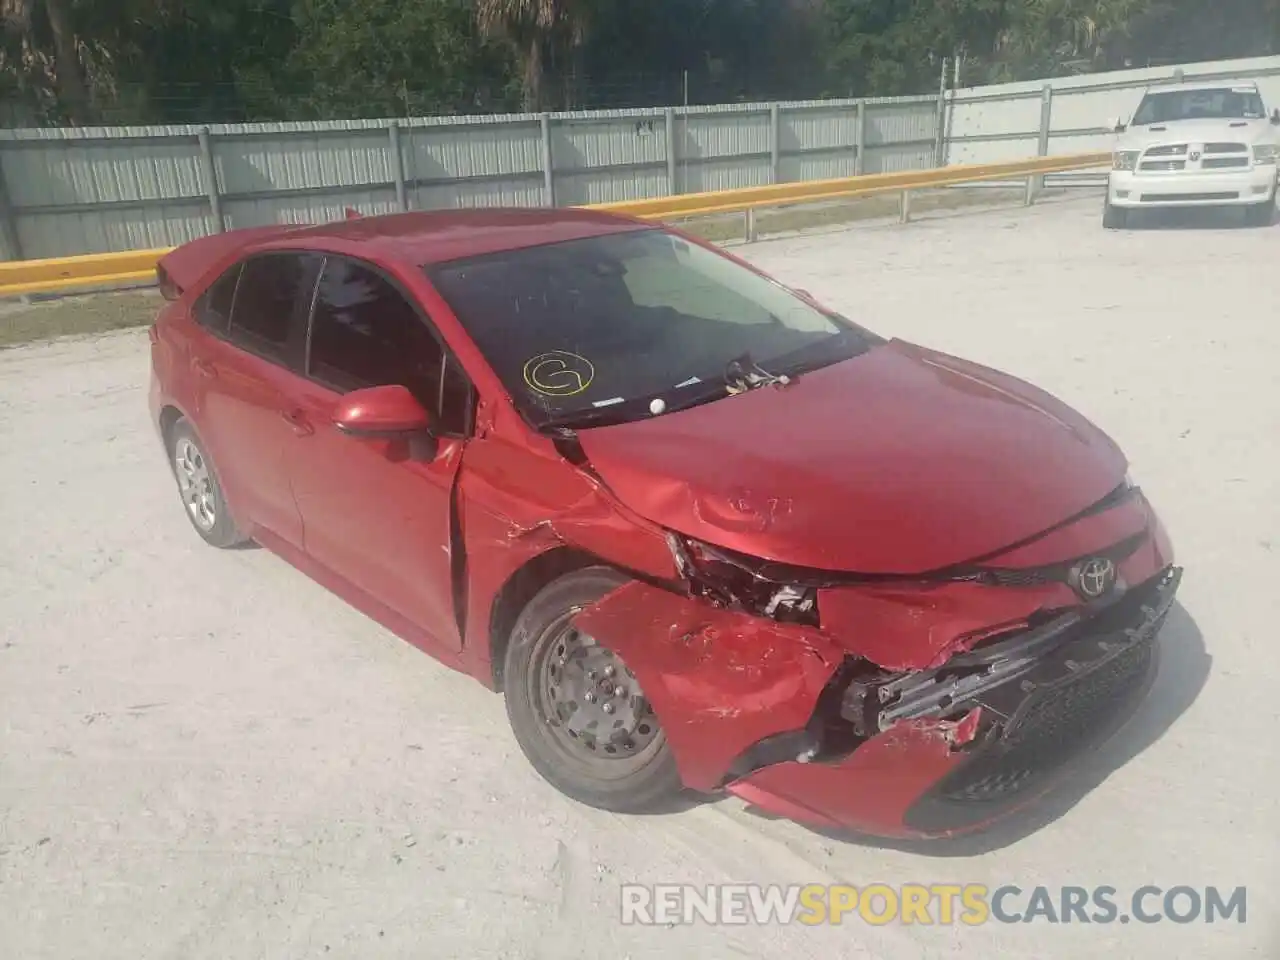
(928, 904)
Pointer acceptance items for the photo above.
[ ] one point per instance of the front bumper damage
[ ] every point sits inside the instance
(785, 717)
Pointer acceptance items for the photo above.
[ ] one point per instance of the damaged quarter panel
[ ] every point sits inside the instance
(719, 680)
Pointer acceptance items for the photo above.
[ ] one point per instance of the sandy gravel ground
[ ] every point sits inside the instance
(204, 755)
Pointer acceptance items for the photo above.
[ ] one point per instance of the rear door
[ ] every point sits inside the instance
(245, 367)
(372, 515)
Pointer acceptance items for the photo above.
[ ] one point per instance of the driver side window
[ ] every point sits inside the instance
(364, 333)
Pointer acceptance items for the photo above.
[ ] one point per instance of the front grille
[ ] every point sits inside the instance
(1033, 577)
(1153, 165)
(1039, 722)
(1225, 148)
(1053, 726)
(1167, 150)
(1219, 163)
(1157, 197)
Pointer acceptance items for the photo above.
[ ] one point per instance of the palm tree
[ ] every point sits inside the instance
(30, 21)
(535, 29)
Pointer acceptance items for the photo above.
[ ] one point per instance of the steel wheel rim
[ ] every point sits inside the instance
(591, 708)
(195, 483)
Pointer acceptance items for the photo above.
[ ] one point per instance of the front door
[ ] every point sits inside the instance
(371, 514)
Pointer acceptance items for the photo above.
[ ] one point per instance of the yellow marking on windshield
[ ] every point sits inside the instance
(558, 373)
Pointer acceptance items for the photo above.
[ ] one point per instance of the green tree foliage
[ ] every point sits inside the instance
(140, 61)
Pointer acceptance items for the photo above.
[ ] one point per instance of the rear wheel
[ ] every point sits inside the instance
(578, 711)
(202, 496)
(1261, 214)
(1113, 217)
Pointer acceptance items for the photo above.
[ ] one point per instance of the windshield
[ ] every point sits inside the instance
(1226, 103)
(627, 325)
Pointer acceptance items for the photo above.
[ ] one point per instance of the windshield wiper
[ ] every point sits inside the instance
(740, 375)
(637, 408)
(743, 374)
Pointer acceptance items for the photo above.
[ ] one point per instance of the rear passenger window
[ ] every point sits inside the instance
(213, 309)
(364, 333)
(267, 300)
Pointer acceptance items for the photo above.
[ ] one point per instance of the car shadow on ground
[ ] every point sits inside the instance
(1182, 674)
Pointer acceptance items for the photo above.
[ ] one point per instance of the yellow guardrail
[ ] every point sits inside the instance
(65, 274)
(812, 191)
(73, 273)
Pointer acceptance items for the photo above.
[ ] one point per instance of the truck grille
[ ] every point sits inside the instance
(1163, 165)
(1167, 150)
(1208, 197)
(1220, 163)
(1225, 148)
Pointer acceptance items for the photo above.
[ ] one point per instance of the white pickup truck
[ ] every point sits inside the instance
(1195, 146)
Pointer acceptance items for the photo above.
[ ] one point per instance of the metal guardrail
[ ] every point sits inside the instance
(750, 199)
(68, 274)
(817, 191)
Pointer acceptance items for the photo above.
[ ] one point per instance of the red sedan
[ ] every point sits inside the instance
(703, 533)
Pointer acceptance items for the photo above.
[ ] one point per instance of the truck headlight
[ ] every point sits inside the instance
(1124, 159)
(1265, 153)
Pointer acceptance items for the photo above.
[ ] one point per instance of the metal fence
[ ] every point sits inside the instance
(1009, 121)
(95, 190)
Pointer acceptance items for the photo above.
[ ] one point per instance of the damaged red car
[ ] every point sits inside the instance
(703, 533)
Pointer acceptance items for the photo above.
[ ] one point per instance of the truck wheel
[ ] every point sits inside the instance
(577, 711)
(1114, 218)
(1260, 214)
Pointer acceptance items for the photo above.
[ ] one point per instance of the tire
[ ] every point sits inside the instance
(202, 498)
(551, 673)
(1261, 214)
(1114, 218)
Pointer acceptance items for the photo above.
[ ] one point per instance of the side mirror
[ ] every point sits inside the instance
(386, 413)
(1116, 125)
(1275, 116)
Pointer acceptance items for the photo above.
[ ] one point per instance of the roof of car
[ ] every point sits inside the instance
(1167, 85)
(439, 235)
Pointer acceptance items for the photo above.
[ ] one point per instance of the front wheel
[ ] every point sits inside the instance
(578, 711)
(1113, 217)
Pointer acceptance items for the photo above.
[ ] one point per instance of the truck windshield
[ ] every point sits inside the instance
(1225, 103)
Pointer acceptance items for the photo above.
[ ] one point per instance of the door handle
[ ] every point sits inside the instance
(298, 420)
(205, 369)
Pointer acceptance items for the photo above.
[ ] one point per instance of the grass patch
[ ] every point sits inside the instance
(69, 316)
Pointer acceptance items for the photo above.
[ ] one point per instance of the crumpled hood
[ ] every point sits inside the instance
(901, 460)
(1197, 131)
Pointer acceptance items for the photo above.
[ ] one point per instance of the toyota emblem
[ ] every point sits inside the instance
(1095, 578)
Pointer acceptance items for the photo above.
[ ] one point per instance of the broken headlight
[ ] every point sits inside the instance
(739, 582)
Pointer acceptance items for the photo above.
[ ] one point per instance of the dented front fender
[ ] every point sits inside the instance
(719, 681)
